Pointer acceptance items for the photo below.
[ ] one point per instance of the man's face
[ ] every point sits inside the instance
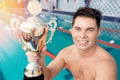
(85, 32)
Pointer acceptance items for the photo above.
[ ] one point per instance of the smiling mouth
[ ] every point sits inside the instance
(83, 42)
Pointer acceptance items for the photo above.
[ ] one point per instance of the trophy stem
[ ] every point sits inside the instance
(33, 70)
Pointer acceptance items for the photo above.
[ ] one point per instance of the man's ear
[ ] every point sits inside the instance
(71, 30)
(99, 31)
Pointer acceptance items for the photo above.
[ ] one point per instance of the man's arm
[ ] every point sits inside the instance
(106, 70)
(53, 68)
(56, 65)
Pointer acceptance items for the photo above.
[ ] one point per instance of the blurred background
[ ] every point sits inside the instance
(12, 56)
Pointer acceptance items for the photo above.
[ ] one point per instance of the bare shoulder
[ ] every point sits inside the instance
(106, 63)
(106, 66)
(66, 50)
(104, 55)
(105, 58)
(106, 70)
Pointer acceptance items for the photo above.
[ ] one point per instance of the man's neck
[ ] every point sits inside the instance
(87, 53)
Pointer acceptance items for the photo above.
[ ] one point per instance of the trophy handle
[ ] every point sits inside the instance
(42, 40)
(52, 26)
(14, 23)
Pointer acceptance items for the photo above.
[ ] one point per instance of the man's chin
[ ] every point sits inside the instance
(83, 48)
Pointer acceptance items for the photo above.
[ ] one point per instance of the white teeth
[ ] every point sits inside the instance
(83, 41)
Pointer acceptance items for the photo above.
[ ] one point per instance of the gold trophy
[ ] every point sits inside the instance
(33, 33)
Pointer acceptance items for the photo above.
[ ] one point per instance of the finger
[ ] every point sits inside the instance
(44, 49)
(32, 60)
(30, 53)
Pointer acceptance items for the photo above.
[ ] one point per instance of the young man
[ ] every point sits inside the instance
(85, 59)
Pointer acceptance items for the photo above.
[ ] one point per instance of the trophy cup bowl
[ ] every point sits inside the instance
(33, 33)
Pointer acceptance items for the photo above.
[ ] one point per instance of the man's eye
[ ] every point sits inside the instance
(77, 29)
(91, 30)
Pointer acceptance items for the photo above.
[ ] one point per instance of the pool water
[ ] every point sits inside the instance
(13, 59)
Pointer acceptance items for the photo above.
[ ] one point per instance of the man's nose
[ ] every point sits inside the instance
(83, 34)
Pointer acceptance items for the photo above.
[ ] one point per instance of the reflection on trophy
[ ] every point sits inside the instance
(33, 33)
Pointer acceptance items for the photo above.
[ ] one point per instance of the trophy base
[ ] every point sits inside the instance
(40, 77)
(32, 73)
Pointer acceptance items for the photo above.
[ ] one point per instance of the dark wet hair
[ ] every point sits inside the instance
(88, 12)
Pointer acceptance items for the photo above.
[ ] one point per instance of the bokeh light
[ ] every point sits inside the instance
(12, 3)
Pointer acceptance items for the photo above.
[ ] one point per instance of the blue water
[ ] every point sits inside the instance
(13, 59)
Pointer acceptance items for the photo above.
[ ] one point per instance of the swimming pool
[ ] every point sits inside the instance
(109, 31)
(13, 59)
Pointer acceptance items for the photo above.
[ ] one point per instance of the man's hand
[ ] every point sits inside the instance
(36, 56)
